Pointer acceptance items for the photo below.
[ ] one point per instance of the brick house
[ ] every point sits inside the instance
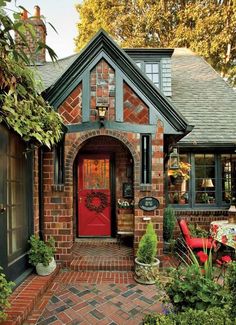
(124, 111)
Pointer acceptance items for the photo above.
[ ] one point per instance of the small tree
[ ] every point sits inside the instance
(147, 249)
(169, 221)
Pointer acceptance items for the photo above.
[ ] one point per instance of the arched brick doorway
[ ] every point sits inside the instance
(103, 168)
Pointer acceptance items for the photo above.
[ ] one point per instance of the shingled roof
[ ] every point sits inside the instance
(198, 92)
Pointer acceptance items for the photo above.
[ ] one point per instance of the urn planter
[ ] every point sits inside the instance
(46, 270)
(146, 273)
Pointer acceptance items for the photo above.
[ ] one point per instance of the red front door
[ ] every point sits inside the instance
(94, 196)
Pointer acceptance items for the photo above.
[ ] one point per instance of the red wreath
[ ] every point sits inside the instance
(91, 204)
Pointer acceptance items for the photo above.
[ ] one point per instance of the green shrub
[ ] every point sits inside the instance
(5, 291)
(189, 288)
(40, 251)
(158, 319)
(211, 316)
(197, 231)
(169, 221)
(147, 248)
(231, 287)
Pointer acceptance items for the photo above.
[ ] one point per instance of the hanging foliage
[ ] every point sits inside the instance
(22, 107)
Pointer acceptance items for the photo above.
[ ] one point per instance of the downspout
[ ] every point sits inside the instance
(41, 198)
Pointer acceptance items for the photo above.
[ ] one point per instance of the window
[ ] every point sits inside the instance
(146, 159)
(152, 70)
(212, 181)
(59, 163)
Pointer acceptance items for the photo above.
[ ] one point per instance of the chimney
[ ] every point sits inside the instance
(40, 36)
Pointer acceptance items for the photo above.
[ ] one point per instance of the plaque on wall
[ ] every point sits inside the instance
(128, 190)
(148, 203)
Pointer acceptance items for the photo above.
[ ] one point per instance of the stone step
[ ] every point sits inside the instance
(101, 263)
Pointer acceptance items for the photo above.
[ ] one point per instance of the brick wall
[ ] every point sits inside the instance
(102, 81)
(135, 111)
(71, 108)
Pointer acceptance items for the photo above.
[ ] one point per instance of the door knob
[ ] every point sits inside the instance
(2, 208)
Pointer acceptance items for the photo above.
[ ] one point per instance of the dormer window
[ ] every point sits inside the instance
(152, 71)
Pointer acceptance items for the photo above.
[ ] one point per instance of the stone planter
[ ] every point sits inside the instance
(146, 273)
(46, 270)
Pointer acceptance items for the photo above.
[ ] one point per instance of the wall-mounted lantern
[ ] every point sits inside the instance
(174, 159)
(101, 112)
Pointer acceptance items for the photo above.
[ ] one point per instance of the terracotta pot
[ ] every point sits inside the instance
(46, 270)
(146, 273)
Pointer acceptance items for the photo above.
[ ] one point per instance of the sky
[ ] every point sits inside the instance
(63, 16)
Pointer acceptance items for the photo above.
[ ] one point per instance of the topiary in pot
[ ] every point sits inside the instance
(41, 255)
(169, 222)
(146, 263)
(5, 291)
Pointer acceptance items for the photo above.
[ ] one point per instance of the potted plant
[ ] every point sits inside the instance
(181, 173)
(146, 263)
(5, 291)
(169, 221)
(41, 255)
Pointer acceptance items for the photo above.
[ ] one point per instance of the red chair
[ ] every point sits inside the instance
(193, 242)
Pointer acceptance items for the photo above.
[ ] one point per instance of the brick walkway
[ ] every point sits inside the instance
(95, 298)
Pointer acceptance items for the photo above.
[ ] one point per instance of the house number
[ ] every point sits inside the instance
(148, 203)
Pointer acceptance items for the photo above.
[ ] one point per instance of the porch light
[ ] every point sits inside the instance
(101, 110)
(174, 159)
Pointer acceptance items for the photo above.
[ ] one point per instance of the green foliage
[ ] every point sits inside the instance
(147, 248)
(207, 27)
(189, 288)
(40, 251)
(21, 106)
(197, 231)
(215, 315)
(5, 291)
(231, 286)
(169, 222)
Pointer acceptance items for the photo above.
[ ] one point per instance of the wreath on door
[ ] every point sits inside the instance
(98, 196)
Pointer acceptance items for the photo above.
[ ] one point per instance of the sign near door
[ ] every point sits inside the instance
(148, 203)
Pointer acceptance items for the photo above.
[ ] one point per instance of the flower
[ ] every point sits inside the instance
(226, 259)
(182, 171)
(203, 257)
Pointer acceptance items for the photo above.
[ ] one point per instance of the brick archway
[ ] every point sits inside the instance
(74, 144)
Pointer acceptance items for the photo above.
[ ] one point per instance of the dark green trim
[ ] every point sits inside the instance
(145, 53)
(213, 146)
(102, 42)
(125, 127)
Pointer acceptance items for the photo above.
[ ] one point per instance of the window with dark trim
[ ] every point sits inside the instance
(152, 71)
(146, 159)
(59, 163)
(212, 181)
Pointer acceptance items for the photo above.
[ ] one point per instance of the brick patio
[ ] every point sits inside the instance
(98, 289)
(95, 298)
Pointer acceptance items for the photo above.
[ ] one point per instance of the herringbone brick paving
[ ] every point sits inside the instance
(76, 298)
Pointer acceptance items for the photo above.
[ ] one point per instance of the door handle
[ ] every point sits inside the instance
(2, 208)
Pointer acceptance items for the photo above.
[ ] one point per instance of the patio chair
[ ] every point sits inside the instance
(193, 242)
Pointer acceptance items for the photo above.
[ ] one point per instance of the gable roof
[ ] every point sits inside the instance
(198, 92)
(205, 99)
(101, 42)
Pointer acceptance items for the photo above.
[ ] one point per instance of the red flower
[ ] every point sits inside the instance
(219, 262)
(224, 239)
(203, 257)
(226, 259)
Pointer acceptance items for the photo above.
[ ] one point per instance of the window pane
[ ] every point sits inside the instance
(148, 68)
(155, 78)
(228, 164)
(155, 68)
